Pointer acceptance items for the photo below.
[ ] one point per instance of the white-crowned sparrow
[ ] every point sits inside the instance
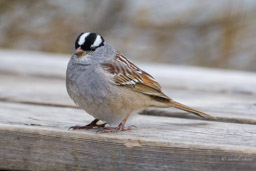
(110, 87)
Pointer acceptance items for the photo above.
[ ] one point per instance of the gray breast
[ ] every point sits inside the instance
(88, 87)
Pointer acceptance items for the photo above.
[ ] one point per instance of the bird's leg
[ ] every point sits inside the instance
(120, 127)
(89, 126)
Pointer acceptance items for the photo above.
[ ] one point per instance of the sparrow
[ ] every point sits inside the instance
(108, 86)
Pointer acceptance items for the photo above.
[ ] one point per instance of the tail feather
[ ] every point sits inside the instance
(191, 110)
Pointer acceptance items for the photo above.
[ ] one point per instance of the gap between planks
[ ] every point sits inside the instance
(160, 129)
(149, 112)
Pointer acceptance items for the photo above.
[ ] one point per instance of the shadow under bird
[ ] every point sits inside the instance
(110, 87)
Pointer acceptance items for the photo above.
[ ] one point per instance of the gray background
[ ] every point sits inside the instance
(209, 33)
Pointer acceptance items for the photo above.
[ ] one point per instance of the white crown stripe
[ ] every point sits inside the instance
(97, 41)
(82, 38)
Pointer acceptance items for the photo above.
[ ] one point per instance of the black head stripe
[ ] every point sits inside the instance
(102, 43)
(89, 40)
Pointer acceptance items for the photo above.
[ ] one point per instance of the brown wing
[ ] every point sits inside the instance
(126, 74)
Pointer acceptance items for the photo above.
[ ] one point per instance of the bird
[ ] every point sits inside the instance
(110, 87)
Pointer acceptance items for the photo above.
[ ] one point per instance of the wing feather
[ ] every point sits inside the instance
(125, 73)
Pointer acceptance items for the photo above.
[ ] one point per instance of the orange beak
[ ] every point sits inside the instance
(79, 51)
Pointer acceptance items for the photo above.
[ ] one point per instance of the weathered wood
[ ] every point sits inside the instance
(36, 112)
(37, 149)
(33, 63)
(37, 138)
(34, 89)
(149, 127)
(179, 77)
(45, 91)
(220, 93)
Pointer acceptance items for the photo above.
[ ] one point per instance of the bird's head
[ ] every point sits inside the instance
(87, 42)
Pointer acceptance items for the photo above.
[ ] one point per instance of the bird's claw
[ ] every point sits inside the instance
(116, 129)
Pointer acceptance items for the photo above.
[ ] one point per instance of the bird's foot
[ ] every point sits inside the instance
(116, 129)
(89, 126)
(80, 127)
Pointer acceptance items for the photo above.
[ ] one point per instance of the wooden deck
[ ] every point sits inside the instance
(36, 112)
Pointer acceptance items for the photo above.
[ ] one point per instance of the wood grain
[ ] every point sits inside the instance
(36, 112)
(170, 76)
(46, 91)
(44, 149)
(153, 128)
(37, 138)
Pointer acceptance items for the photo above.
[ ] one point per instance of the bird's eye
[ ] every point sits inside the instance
(93, 48)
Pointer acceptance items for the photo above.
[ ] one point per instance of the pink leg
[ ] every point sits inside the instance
(120, 127)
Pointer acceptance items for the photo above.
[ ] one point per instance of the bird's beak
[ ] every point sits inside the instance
(79, 51)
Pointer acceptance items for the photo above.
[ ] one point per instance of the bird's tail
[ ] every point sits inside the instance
(191, 110)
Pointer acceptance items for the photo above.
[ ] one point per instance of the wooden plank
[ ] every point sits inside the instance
(34, 90)
(53, 92)
(36, 138)
(40, 78)
(33, 63)
(165, 128)
(31, 149)
(37, 113)
(178, 77)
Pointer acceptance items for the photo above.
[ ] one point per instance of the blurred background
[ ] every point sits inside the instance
(208, 33)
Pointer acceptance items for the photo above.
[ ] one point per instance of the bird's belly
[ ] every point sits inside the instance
(109, 104)
(111, 107)
(104, 100)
